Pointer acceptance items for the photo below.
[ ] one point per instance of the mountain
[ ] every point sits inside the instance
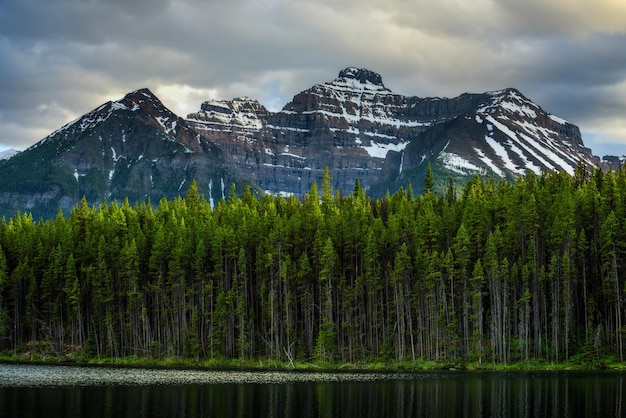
(354, 125)
(613, 162)
(359, 128)
(133, 148)
(504, 137)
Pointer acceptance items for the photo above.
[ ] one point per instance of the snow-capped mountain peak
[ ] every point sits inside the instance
(510, 101)
(140, 104)
(359, 79)
(102, 113)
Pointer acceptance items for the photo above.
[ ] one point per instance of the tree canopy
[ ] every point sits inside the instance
(505, 272)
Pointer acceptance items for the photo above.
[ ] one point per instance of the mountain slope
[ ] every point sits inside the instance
(504, 137)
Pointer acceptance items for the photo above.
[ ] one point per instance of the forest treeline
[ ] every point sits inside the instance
(500, 273)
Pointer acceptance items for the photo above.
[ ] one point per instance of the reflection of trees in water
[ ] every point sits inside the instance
(165, 393)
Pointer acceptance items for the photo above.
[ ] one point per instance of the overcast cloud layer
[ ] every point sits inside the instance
(62, 58)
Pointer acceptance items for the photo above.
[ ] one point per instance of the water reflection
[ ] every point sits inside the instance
(418, 395)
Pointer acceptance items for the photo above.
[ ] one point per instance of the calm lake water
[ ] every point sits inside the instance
(69, 391)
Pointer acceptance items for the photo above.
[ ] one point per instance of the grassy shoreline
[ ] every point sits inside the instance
(270, 364)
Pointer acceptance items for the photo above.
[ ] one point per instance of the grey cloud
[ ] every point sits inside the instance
(541, 18)
(68, 56)
(597, 60)
(88, 21)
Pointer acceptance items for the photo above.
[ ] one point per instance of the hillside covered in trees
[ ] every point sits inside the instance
(501, 273)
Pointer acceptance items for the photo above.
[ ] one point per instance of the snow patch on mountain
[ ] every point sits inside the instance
(539, 150)
(288, 128)
(6, 154)
(488, 162)
(117, 106)
(351, 85)
(502, 153)
(168, 127)
(458, 164)
(78, 175)
(512, 102)
(279, 194)
(354, 118)
(293, 156)
(558, 119)
(523, 110)
(380, 150)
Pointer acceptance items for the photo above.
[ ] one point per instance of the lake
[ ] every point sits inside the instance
(76, 391)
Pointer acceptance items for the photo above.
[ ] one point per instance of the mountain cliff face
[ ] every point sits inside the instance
(354, 125)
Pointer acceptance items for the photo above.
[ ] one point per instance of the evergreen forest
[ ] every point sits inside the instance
(495, 272)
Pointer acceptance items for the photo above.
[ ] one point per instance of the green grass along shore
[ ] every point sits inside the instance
(606, 363)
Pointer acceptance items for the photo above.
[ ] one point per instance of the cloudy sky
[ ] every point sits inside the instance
(61, 58)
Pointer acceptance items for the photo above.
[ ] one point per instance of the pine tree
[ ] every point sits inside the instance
(428, 180)
(325, 344)
(611, 280)
(476, 283)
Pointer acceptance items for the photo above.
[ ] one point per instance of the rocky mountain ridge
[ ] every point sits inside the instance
(359, 128)
(137, 148)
